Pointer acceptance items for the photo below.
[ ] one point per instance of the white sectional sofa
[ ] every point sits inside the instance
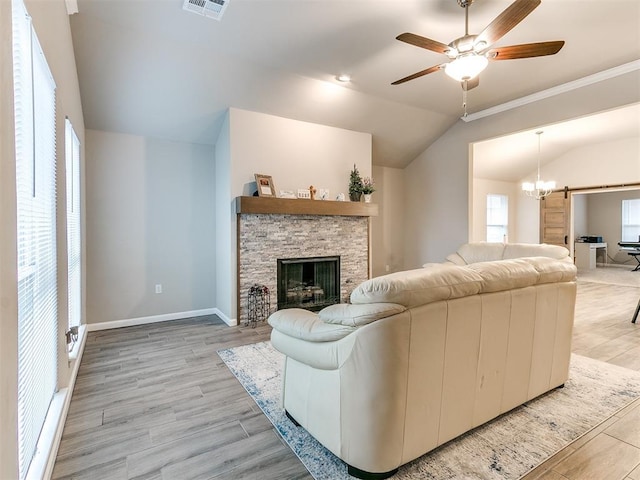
(420, 357)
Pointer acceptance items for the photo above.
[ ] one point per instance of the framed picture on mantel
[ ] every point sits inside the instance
(265, 185)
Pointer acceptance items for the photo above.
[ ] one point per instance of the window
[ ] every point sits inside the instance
(35, 146)
(497, 218)
(72, 153)
(631, 220)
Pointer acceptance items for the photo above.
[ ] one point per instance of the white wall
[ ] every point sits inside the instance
(437, 182)
(609, 163)
(579, 215)
(150, 220)
(482, 188)
(295, 154)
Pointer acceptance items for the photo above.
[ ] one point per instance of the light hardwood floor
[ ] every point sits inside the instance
(155, 402)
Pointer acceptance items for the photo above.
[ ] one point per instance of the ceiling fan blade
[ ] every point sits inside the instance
(469, 84)
(423, 42)
(526, 50)
(508, 19)
(417, 75)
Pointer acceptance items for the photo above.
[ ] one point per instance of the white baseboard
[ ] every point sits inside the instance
(130, 322)
(232, 322)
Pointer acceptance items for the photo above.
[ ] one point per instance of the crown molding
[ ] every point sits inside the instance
(557, 90)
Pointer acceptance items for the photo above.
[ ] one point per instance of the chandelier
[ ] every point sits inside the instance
(541, 188)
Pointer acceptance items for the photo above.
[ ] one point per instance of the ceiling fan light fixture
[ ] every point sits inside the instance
(466, 67)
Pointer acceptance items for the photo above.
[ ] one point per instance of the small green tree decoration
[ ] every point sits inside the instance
(355, 185)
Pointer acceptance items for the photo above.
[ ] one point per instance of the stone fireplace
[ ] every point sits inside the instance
(270, 230)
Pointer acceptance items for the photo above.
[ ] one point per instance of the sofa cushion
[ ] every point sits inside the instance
(550, 270)
(418, 287)
(306, 325)
(505, 274)
(519, 250)
(357, 315)
(481, 252)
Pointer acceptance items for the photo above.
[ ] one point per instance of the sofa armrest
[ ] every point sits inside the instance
(357, 315)
(306, 325)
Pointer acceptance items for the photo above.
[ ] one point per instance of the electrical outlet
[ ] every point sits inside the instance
(159, 288)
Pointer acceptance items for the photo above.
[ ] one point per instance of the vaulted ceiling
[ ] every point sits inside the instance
(147, 67)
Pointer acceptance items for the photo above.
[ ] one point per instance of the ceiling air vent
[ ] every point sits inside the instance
(208, 8)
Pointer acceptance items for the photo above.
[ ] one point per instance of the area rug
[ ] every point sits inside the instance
(505, 448)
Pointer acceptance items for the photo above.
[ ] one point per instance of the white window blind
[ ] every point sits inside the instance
(34, 96)
(72, 153)
(631, 220)
(497, 217)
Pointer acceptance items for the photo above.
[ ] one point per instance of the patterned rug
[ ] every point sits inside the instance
(505, 448)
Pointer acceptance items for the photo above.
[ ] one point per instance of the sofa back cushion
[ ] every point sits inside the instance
(437, 282)
(417, 287)
(481, 252)
(519, 250)
(488, 251)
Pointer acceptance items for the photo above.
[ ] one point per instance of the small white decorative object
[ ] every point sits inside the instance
(323, 194)
(287, 194)
(340, 197)
(304, 193)
(367, 198)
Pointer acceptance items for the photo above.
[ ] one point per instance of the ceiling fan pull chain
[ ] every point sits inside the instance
(464, 102)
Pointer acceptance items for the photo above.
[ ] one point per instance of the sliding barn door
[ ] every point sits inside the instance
(555, 219)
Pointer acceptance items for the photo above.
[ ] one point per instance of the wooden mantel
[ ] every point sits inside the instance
(298, 206)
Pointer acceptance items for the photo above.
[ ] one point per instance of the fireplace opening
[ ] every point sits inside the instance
(309, 283)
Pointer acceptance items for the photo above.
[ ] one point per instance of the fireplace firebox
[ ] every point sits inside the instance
(309, 283)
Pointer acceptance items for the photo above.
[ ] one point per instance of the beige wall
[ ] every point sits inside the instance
(296, 154)
(8, 260)
(150, 221)
(437, 182)
(52, 27)
(388, 227)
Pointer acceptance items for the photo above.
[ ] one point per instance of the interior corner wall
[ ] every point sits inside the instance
(437, 181)
(150, 221)
(225, 227)
(387, 239)
(295, 154)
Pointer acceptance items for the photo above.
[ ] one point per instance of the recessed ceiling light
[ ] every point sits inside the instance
(343, 77)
